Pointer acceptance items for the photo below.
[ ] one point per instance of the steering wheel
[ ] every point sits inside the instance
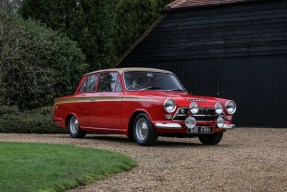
(134, 85)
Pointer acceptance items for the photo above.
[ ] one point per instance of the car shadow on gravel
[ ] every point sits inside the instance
(111, 138)
(124, 140)
(186, 144)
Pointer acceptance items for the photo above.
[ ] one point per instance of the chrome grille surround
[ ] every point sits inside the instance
(178, 116)
(204, 114)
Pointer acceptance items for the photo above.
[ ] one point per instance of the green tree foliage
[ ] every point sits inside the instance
(89, 22)
(132, 18)
(36, 63)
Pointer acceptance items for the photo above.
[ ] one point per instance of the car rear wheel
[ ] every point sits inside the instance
(74, 128)
(213, 139)
(143, 131)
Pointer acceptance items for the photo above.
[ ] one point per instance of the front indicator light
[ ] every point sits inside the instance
(229, 118)
(168, 116)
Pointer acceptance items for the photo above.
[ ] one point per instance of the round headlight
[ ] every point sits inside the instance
(169, 105)
(230, 107)
(193, 107)
(220, 122)
(218, 108)
(190, 122)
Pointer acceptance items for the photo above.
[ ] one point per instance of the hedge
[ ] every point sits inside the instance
(33, 121)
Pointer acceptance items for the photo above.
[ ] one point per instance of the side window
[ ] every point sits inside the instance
(89, 84)
(108, 82)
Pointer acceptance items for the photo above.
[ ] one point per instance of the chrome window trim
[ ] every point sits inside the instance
(123, 74)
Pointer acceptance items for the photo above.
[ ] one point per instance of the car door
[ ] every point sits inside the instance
(83, 99)
(107, 106)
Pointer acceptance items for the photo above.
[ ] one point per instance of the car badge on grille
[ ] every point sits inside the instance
(195, 99)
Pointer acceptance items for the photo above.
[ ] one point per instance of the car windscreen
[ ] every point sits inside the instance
(146, 80)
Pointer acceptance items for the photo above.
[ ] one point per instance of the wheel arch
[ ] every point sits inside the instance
(68, 118)
(134, 115)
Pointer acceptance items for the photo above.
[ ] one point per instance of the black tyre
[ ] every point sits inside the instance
(143, 131)
(74, 128)
(213, 139)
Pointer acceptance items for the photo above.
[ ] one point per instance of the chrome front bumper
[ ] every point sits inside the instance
(178, 126)
(168, 125)
(228, 126)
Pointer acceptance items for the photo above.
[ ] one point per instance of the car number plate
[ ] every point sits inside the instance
(200, 130)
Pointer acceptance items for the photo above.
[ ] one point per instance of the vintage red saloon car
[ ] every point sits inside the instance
(143, 104)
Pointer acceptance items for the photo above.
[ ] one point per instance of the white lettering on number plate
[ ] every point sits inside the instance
(202, 130)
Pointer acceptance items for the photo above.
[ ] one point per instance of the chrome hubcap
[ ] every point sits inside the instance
(74, 125)
(141, 129)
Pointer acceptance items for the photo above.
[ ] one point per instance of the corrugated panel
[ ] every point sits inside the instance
(257, 29)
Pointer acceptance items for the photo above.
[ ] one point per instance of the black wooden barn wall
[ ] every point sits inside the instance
(234, 51)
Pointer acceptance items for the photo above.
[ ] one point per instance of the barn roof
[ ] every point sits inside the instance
(178, 4)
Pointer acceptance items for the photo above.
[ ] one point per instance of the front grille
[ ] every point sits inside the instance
(206, 111)
(204, 114)
(204, 118)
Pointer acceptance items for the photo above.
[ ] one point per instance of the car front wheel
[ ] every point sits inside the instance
(74, 128)
(213, 139)
(143, 131)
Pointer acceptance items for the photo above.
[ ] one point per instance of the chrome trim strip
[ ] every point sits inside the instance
(168, 125)
(96, 98)
(182, 115)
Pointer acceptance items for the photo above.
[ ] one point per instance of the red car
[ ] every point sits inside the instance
(143, 104)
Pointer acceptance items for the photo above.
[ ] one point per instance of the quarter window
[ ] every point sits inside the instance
(108, 82)
(89, 84)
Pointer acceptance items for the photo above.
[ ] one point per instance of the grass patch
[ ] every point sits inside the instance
(51, 167)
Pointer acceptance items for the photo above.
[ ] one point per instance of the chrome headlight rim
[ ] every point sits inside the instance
(193, 108)
(218, 108)
(234, 104)
(174, 105)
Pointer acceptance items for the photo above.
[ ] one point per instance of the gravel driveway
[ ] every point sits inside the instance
(245, 160)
